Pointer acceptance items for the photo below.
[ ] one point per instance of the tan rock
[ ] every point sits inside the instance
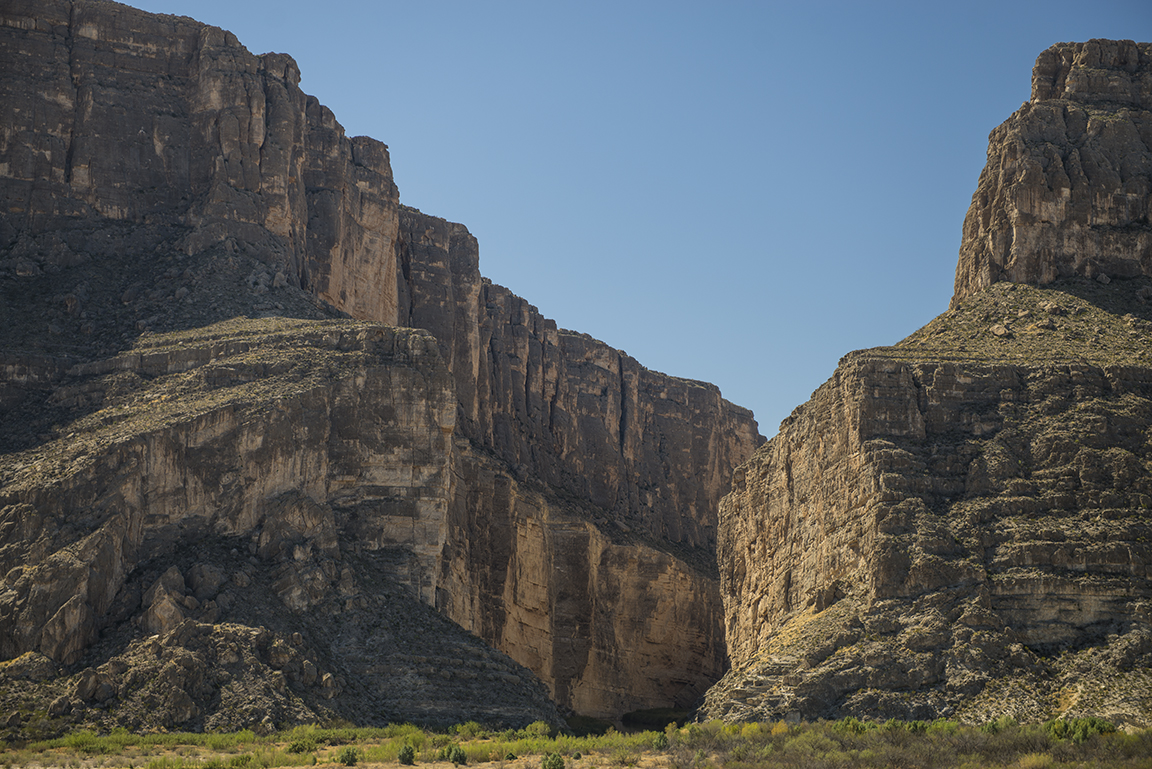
(1068, 182)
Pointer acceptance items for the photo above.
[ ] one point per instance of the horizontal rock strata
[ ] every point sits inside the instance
(584, 468)
(945, 516)
(293, 477)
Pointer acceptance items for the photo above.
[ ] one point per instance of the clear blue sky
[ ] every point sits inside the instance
(739, 192)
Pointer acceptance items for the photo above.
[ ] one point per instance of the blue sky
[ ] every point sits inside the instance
(739, 192)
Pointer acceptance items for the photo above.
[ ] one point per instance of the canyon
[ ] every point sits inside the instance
(274, 451)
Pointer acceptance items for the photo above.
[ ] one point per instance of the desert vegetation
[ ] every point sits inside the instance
(850, 742)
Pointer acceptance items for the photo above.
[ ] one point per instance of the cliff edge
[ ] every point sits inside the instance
(1065, 191)
(171, 201)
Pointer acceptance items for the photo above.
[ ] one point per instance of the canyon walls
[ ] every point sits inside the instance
(957, 526)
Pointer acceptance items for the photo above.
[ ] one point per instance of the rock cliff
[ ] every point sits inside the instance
(240, 531)
(579, 467)
(534, 485)
(1066, 189)
(959, 525)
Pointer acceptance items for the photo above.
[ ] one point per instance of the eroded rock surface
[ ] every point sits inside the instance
(1068, 185)
(959, 525)
(584, 534)
(536, 486)
(956, 526)
(130, 130)
(247, 531)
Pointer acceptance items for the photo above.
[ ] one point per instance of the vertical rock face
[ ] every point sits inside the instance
(1068, 185)
(265, 499)
(605, 490)
(155, 176)
(652, 451)
(960, 537)
(116, 115)
(958, 525)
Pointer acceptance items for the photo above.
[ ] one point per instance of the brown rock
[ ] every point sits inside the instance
(1068, 182)
(321, 443)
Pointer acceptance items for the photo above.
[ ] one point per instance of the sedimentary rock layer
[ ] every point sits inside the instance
(119, 116)
(585, 550)
(158, 177)
(1068, 185)
(265, 499)
(944, 516)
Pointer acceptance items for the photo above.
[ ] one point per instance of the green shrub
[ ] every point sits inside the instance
(471, 730)
(851, 725)
(242, 760)
(537, 729)
(457, 755)
(552, 761)
(1000, 724)
(1078, 729)
(660, 741)
(306, 745)
(348, 756)
(407, 755)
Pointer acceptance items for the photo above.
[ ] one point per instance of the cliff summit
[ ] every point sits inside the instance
(1066, 189)
(958, 525)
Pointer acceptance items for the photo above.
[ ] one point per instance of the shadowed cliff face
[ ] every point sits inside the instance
(959, 525)
(158, 179)
(119, 116)
(241, 534)
(1066, 189)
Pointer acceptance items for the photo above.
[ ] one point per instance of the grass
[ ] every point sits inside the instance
(1071, 320)
(847, 743)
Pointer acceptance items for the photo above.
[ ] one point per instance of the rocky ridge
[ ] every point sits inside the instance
(534, 485)
(959, 525)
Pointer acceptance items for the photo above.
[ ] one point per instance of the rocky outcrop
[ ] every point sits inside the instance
(290, 476)
(956, 526)
(540, 488)
(651, 451)
(609, 620)
(1068, 185)
(582, 468)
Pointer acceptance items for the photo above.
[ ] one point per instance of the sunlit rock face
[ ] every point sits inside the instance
(959, 525)
(1068, 185)
(582, 543)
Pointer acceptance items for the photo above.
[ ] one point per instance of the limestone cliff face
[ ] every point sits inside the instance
(929, 530)
(540, 488)
(582, 545)
(958, 525)
(118, 116)
(1068, 185)
(652, 452)
(610, 621)
(323, 452)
